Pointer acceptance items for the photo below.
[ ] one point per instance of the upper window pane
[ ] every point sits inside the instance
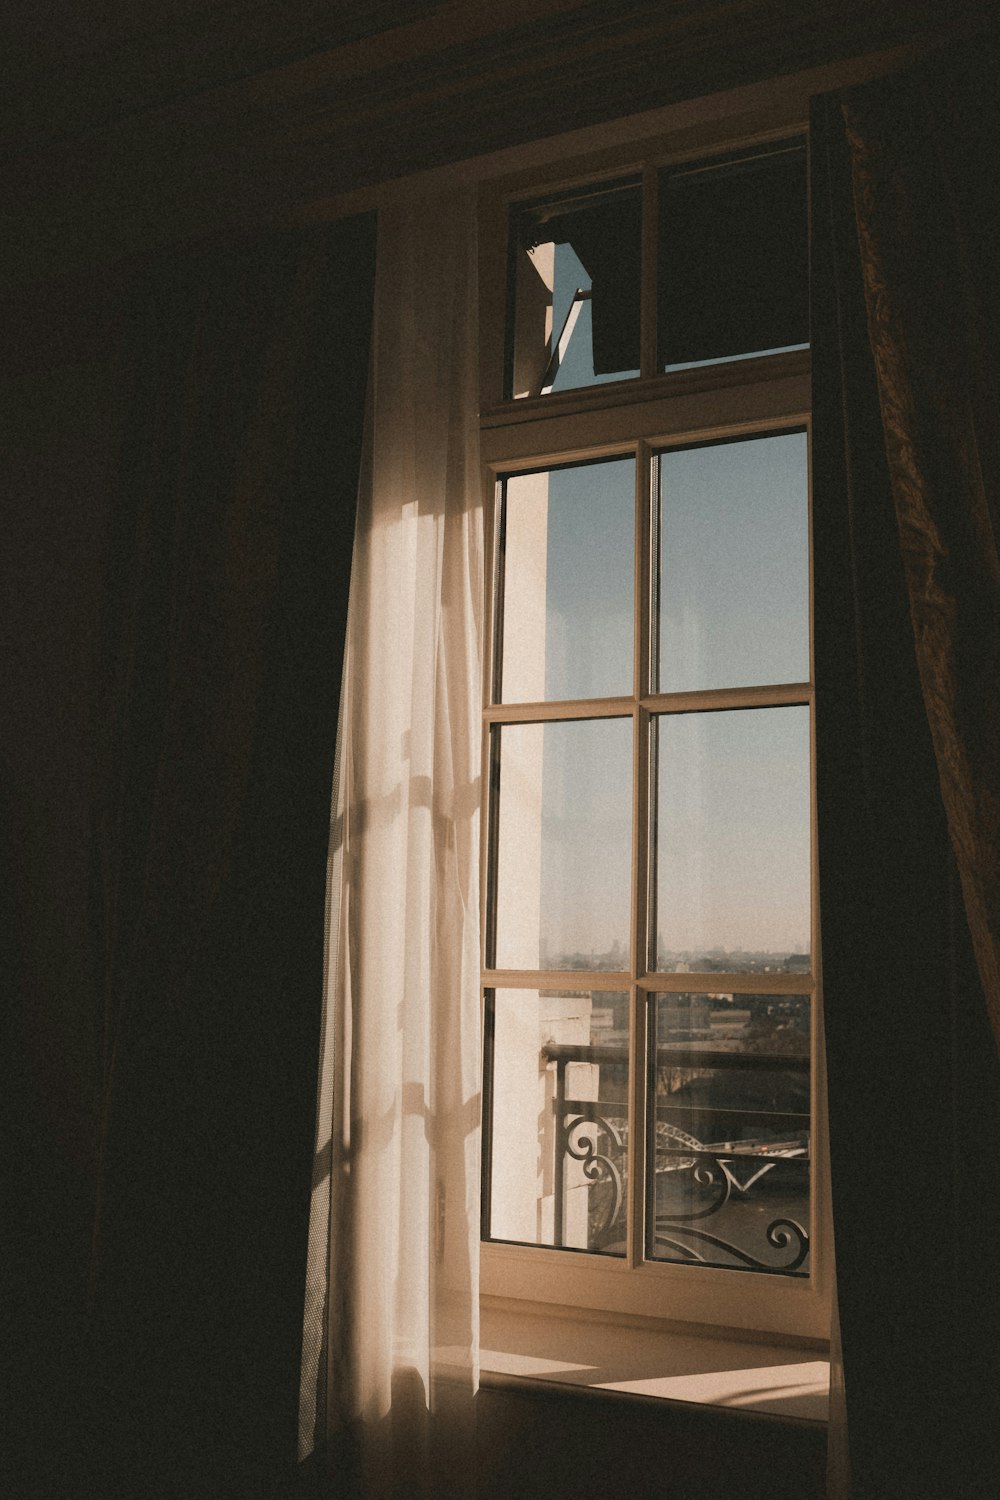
(734, 564)
(733, 257)
(575, 291)
(563, 837)
(732, 834)
(565, 603)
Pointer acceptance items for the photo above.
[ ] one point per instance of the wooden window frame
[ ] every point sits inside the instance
(641, 416)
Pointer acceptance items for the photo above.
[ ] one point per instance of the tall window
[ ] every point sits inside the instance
(650, 989)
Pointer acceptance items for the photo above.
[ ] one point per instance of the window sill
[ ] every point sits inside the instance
(677, 1364)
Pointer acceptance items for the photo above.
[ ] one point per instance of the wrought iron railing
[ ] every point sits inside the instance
(764, 1155)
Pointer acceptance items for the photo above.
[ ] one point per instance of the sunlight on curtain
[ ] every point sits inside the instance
(403, 1037)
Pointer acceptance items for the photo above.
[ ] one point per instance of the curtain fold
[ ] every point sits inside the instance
(402, 1039)
(926, 188)
(907, 606)
(228, 561)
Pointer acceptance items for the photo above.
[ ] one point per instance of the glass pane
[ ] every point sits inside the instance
(729, 1122)
(732, 841)
(563, 834)
(566, 586)
(558, 1122)
(733, 258)
(734, 564)
(575, 286)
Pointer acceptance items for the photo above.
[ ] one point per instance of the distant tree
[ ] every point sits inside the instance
(780, 1028)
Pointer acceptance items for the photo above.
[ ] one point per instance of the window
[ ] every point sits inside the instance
(651, 1086)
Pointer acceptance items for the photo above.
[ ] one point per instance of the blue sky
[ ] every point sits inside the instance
(733, 845)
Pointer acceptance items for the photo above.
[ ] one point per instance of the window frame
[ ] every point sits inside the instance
(745, 397)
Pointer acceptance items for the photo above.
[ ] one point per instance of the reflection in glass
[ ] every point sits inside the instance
(733, 841)
(734, 564)
(566, 589)
(563, 834)
(733, 257)
(557, 1125)
(729, 1128)
(575, 284)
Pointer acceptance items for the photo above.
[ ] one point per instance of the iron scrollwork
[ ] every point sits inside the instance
(597, 1140)
(673, 1232)
(705, 1178)
(581, 1142)
(717, 1172)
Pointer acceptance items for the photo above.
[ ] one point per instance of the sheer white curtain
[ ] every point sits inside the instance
(399, 1097)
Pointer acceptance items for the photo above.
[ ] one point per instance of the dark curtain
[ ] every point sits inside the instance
(239, 377)
(904, 337)
(61, 413)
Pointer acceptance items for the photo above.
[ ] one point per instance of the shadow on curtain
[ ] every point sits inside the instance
(906, 317)
(224, 615)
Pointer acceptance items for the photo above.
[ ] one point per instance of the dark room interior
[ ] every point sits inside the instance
(191, 215)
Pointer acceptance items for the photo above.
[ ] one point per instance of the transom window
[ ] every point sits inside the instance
(726, 243)
(650, 991)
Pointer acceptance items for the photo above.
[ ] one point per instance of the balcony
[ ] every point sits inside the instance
(729, 1180)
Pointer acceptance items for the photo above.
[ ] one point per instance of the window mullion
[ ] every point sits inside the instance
(492, 765)
(638, 1070)
(638, 1030)
(557, 710)
(498, 521)
(705, 700)
(601, 980)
